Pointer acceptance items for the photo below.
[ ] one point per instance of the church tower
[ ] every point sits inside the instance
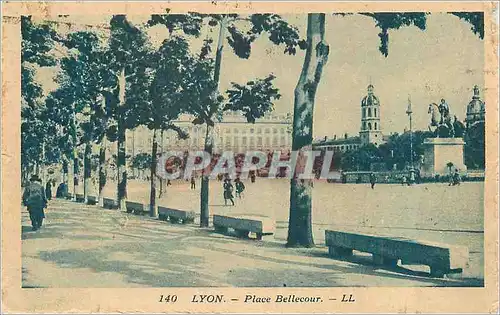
(370, 119)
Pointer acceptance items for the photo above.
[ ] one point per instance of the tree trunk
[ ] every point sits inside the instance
(75, 154)
(205, 182)
(205, 191)
(161, 179)
(87, 170)
(65, 168)
(152, 198)
(102, 171)
(121, 189)
(300, 222)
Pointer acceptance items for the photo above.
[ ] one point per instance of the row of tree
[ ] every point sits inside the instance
(107, 88)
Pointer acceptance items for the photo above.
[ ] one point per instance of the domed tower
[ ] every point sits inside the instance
(370, 119)
(475, 109)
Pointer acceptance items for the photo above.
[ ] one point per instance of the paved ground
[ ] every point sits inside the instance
(85, 246)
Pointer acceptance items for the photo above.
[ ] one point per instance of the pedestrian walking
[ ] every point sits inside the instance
(412, 177)
(35, 200)
(228, 191)
(48, 190)
(373, 180)
(169, 183)
(456, 178)
(240, 187)
(193, 183)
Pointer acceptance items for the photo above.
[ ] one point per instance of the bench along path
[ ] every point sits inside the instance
(441, 258)
(244, 224)
(137, 208)
(108, 203)
(175, 215)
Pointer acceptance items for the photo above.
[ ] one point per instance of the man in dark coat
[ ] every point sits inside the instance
(240, 187)
(48, 190)
(373, 180)
(228, 191)
(34, 198)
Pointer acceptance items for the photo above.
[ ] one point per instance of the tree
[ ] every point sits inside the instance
(87, 75)
(166, 101)
(280, 32)
(129, 48)
(300, 224)
(37, 42)
(300, 219)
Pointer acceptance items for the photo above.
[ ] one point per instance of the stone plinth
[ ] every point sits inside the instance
(438, 152)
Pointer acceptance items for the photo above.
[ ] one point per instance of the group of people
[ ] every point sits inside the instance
(228, 189)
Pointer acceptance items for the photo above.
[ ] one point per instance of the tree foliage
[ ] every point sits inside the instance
(254, 99)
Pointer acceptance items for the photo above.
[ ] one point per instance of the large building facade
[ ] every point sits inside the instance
(233, 133)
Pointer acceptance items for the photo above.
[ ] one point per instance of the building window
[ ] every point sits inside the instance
(235, 141)
(369, 112)
(267, 130)
(259, 131)
(282, 131)
(370, 126)
(268, 141)
(259, 141)
(364, 125)
(252, 130)
(275, 130)
(375, 126)
(227, 130)
(235, 130)
(283, 141)
(275, 141)
(374, 112)
(244, 140)
(252, 142)
(364, 112)
(244, 131)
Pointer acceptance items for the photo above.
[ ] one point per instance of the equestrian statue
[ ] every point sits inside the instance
(442, 124)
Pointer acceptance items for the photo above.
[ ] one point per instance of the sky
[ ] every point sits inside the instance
(444, 61)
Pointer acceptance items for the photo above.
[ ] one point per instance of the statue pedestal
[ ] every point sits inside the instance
(438, 152)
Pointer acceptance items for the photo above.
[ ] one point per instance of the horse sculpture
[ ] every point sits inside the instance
(441, 123)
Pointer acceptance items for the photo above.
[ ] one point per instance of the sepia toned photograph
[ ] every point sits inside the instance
(252, 149)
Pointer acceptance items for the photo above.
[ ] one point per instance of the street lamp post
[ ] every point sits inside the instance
(409, 112)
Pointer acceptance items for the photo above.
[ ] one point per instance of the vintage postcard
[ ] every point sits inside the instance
(249, 157)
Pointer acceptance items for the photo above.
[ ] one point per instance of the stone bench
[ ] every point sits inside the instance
(244, 224)
(136, 208)
(441, 258)
(108, 203)
(80, 198)
(92, 200)
(175, 215)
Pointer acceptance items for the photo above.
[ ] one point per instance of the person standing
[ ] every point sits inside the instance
(240, 187)
(35, 200)
(456, 178)
(193, 183)
(228, 191)
(412, 177)
(48, 190)
(373, 180)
